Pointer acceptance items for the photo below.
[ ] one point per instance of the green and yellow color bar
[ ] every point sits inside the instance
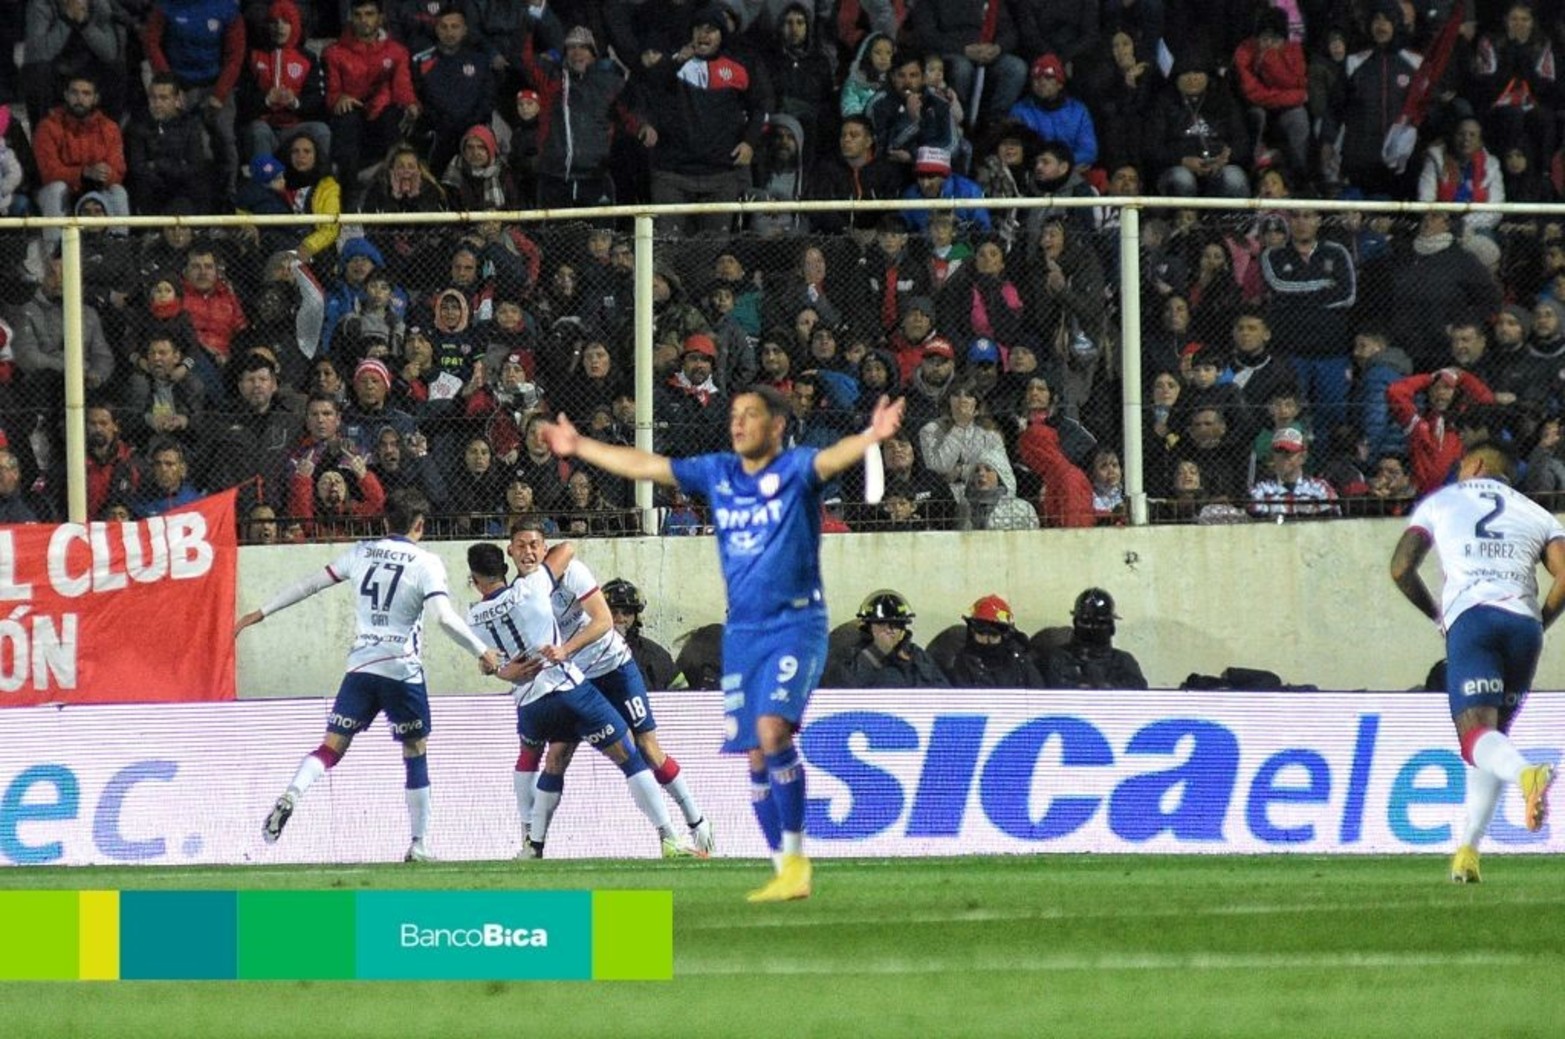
(336, 935)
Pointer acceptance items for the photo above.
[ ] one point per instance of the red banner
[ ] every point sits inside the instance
(120, 612)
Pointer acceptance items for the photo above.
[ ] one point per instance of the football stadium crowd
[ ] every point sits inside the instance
(1295, 363)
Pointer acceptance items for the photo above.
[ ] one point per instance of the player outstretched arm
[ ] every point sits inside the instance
(1411, 549)
(630, 462)
(489, 660)
(297, 592)
(849, 451)
(1554, 560)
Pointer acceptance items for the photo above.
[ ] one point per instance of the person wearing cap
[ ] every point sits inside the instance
(1196, 135)
(971, 37)
(1055, 116)
(455, 82)
(933, 179)
(689, 411)
(1289, 491)
(995, 655)
(711, 113)
(906, 117)
(1089, 660)
(576, 124)
(369, 92)
(166, 151)
(1434, 444)
(370, 408)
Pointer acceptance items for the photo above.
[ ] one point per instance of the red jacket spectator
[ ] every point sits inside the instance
(1066, 500)
(335, 513)
(285, 68)
(64, 145)
(1432, 442)
(117, 476)
(1272, 77)
(216, 315)
(378, 72)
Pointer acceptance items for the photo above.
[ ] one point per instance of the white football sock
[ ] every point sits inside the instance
(525, 784)
(418, 811)
(684, 799)
(310, 769)
(644, 791)
(544, 804)
(1483, 793)
(1497, 755)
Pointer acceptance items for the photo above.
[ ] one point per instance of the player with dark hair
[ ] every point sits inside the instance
(1490, 539)
(590, 642)
(1089, 660)
(766, 506)
(395, 578)
(555, 701)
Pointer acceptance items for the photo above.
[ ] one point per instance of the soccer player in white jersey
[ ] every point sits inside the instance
(554, 700)
(1490, 539)
(394, 579)
(766, 501)
(601, 652)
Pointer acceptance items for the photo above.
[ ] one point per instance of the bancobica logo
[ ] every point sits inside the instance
(485, 936)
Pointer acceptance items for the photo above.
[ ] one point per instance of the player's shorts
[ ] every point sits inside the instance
(580, 713)
(626, 692)
(1491, 655)
(362, 696)
(772, 670)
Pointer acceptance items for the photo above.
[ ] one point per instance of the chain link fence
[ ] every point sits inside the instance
(1291, 364)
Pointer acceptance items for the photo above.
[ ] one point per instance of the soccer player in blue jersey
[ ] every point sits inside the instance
(1490, 538)
(394, 579)
(766, 507)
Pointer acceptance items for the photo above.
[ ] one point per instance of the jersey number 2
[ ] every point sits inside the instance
(1481, 528)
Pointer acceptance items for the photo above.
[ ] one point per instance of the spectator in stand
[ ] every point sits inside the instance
(1366, 103)
(405, 185)
(252, 439)
(691, 413)
(540, 468)
(66, 39)
(995, 655)
(1220, 454)
(370, 409)
(1313, 286)
(17, 505)
(869, 74)
(1108, 487)
(1274, 85)
(1068, 305)
(1460, 169)
(214, 308)
(202, 43)
(1469, 339)
(855, 174)
(163, 397)
(886, 656)
(895, 275)
(167, 155)
(168, 486)
(933, 179)
(982, 301)
(906, 116)
(1040, 405)
(1258, 370)
(283, 87)
(369, 93)
(1391, 490)
(79, 149)
(801, 75)
(972, 36)
(114, 470)
(455, 87)
(38, 343)
(711, 106)
(579, 100)
(1434, 445)
(1196, 135)
(989, 499)
(1056, 172)
(1214, 295)
(480, 178)
(400, 462)
(1089, 660)
(1515, 84)
(1053, 115)
(1289, 491)
(1435, 281)
(309, 187)
(962, 435)
(337, 502)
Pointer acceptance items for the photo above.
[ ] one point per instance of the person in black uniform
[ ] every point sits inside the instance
(1089, 660)
(625, 606)
(995, 655)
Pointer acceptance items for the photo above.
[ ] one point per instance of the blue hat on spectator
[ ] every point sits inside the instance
(264, 169)
(983, 351)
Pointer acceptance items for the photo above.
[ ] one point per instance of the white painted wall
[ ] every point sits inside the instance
(1310, 601)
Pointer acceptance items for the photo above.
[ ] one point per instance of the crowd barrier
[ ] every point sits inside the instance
(891, 774)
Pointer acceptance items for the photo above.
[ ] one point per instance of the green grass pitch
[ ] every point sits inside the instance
(1081, 945)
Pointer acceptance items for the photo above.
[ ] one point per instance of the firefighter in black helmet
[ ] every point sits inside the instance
(625, 605)
(1089, 660)
(887, 656)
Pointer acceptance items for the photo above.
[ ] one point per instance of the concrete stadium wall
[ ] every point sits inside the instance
(1310, 601)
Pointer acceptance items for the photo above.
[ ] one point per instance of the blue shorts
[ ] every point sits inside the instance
(769, 670)
(574, 714)
(626, 692)
(362, 696)
(1491, 655)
